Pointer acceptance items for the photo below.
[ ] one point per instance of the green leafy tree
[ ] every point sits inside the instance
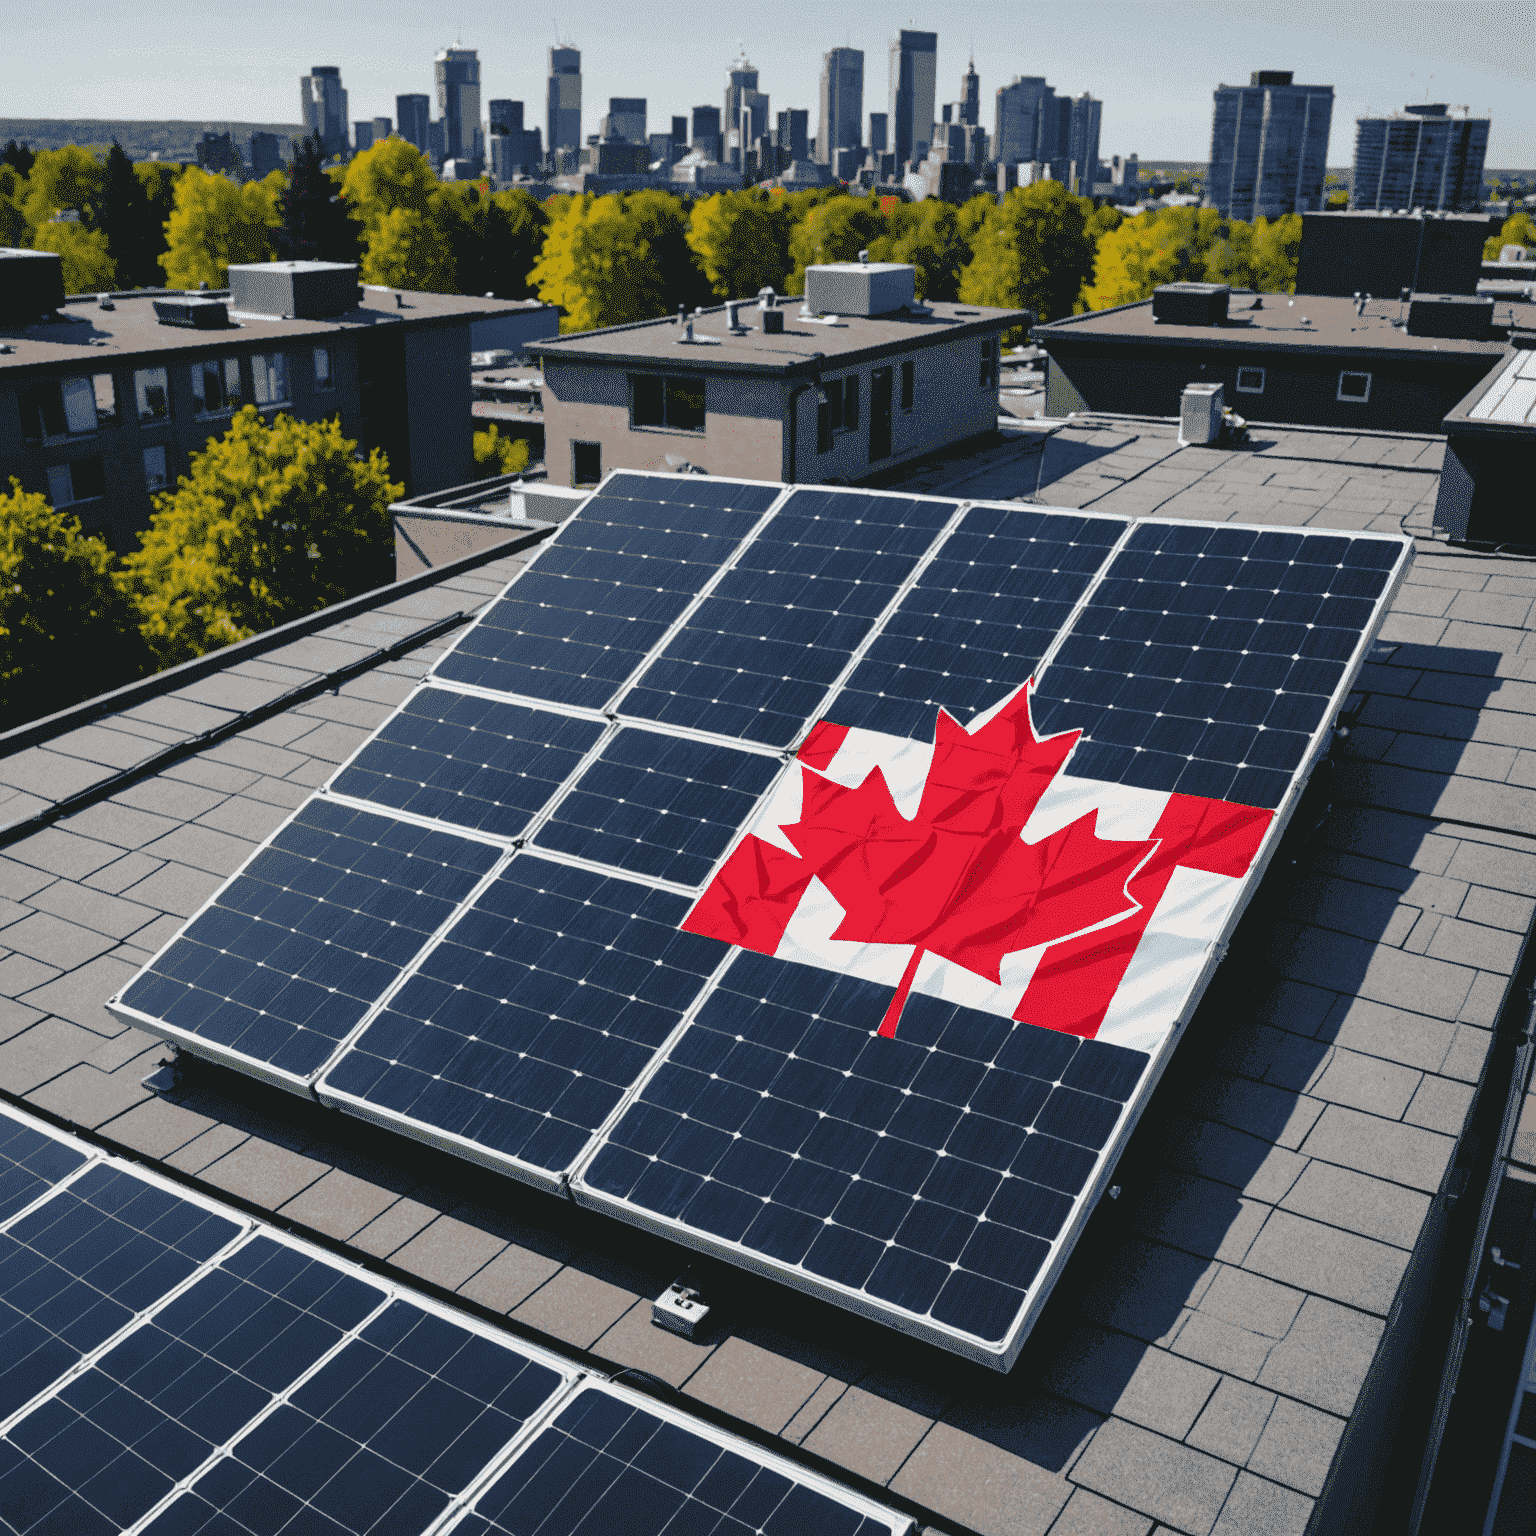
(314, 222)
(410, 250)
(83, 254)
(835, 230)
(214, 224)
(1036, 253)
(498, 455)
(495, 237)
(389, 189)
(741, 243)
(1518, 230)
(65, 631)
(131, 223)
(271, 523)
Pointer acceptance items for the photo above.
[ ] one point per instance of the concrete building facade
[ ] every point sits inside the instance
(1421, 157)
(1269, 146)
(1083, 142)
(625, 120)
(1016, 125)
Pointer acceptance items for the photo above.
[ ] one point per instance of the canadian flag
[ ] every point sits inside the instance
(975, 869)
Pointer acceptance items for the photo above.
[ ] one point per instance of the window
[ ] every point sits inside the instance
(989, 363)
(1250, 381)
(907, 385)
(586, 463)
(676, 404)
(270, 375)
(841, 411)
(153, 394)
(1354, 387)
(79, 481)
(55, 408)
(154, 469)
(216, 385)
(323, 376)
(106, 400)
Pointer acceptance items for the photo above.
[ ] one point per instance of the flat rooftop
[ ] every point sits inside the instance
(1276, 322)
(804, 341)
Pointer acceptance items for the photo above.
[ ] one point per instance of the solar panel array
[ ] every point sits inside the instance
(176, 1368)
(484, 932)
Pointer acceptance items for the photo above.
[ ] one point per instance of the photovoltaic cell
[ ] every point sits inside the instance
(538, 1009)
(930, 1172)
(294, 950)
(976, 623)
(114, 1440)
(84, 1263)
(1207, 657)
(600, 594)
(606, 1466)
(31, 1162)
(760, 652)
(469, 761)
(377, 1442)
(662, 806)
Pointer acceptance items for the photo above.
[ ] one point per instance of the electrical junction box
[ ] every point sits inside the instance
(679, 1309)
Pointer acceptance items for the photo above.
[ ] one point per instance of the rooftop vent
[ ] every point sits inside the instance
(294, 290)
(860, 288)
(1453, 316)
(195, 314)
(31, 284)
(1191, 303)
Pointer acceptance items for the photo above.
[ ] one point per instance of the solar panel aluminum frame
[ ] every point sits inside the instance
(1002, 1356)
(90, 1154)
(897, 1523)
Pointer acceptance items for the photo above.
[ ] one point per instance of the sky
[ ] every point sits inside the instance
(1153, 66)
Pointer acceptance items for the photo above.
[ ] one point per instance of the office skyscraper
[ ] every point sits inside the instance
(1083, 145)
(746, 109)
(413, 114)
(505, 117)
(706, 137)
(1053, 130)
(563, 130)
(793, 133)
(323, 108)
(842, 102)
(1269, 146)
(970, 95)
(914, 62)
(625, 119)
(878, 142)
(458, 102)
(266, 154)
(1420, 157)
(1015, 130)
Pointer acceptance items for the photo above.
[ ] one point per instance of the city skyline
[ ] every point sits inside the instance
(1155, 83)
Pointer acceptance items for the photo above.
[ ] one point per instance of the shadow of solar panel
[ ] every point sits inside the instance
(293, 951)
(603, 591)
(657, 805)
(117, 1438)
(1207, 657)
(80, 1266)
(469, 761)
(609, 1465)
(522, 1028)
(378, 1441)
(760, 652)
(977, 621)
(931, 1173)
(31, 1162)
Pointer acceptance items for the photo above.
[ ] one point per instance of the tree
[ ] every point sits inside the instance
(741, 243)
(13, 222)
(926, 234)
(68, 180)
(314, 223)
(835, 230)
(19, 157)
(1035, 254)
(513, 237)
(498, 455)
(83, 254)
(130, 222)
(215, 223)
(407, 249)
(389, 191)
(159, 182)
(1518, 230)
(65, 631)
(270, 523)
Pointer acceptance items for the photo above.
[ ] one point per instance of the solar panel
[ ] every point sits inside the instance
(1025, 765)
(612, 1461)
(32, 1161)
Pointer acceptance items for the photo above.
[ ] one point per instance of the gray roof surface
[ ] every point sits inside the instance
(1197, 1365)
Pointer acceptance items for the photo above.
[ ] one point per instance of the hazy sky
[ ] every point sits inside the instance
(1153, 66)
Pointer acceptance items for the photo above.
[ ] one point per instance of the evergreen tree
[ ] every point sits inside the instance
(18, 156)
(131, 223)
(315, 222)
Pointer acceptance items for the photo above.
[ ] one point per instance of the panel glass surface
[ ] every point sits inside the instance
(1207, 657)
(84, 1263)
(472, 762)
(930, 1172)
(539, 1008)
(577, 622)
(977, 621)
(760, 652)
(117, 1438)
(377, 1442)
(31, 1163)
(656, 805)
(605, 1466)
(294, 950)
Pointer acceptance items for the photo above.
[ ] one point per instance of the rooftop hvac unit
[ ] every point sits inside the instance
(1191, 303)
(1453, 316)
(294, 290)
(194, 314)
(1200, 414)
(860, 288)
(31, 284)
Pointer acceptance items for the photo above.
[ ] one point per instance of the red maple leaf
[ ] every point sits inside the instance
(957, 879)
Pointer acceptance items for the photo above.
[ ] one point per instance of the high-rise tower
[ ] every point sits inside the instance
(413, 114)
(323, 108)
(1421, 157)
(564, 125)
(1269, 146)
(458, 102)
(914, 62)
(970, 95)
(842, 102)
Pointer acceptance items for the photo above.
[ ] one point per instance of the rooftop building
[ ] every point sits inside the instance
(914, 65)
(842, 103)
(323, 108)
(1269, 146)
(1423, 158)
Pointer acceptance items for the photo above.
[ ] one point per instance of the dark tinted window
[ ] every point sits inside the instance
(906, 386)
(649, 402)
(586, 463)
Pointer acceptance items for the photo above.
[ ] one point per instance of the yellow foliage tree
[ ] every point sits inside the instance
(83, 254)
(271, 523)
(740, 240)
(1518, 230)
(834, 230)
(215, 223)
(70, 179)
(393, 193)
(1035, 253)
(498, 455)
